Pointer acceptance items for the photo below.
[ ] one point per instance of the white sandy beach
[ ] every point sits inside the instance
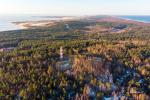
(42, 23)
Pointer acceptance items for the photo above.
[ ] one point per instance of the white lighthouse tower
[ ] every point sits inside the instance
(61, 53)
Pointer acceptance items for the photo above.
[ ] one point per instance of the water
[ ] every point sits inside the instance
(145, 19)
(6, 20)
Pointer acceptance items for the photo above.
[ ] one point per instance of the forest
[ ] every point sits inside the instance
(95, 65)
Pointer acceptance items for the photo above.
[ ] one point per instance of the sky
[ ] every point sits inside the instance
(75, 7)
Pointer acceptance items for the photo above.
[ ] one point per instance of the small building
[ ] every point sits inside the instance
(67, 26)
(64, 64)
(6, 49)
(2, 50)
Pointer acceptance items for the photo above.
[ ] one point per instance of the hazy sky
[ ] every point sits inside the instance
(75, 7)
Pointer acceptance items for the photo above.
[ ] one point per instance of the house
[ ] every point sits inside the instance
(67, 26)
(64, 65)
(6, 49)
(2, 50)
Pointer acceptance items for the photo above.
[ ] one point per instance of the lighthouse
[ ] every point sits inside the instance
(61, 53)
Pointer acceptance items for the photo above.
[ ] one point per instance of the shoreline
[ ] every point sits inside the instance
(42, 23)
(128, 19)
(49, 22)
(31, 24)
